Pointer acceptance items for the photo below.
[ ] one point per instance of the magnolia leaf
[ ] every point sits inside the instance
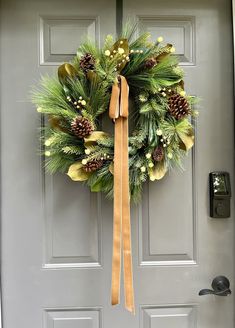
(165, 51)
(111, 168)
(94, 137)
(66, 71)
(120, 44)
(92, 76)
(55, 123)
(158, 172)
(187, 140)
(76, 172)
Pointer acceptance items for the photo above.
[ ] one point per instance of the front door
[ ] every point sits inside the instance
(56, 236)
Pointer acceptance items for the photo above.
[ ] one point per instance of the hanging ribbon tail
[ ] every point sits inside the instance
(121, 213)
(116, 261)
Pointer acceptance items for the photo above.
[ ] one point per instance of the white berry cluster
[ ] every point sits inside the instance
(165, 142)
(77, 103)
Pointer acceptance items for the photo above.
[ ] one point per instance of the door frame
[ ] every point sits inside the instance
(119, 20)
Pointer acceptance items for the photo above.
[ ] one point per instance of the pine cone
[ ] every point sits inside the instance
(81, 127)
(93, 165)
(158, 154)
(150, 62)
(178, 106)
(87, 63)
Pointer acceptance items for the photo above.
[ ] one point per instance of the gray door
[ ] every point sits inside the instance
(56, 236)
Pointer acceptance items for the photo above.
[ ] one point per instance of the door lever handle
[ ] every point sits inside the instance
(220, 287)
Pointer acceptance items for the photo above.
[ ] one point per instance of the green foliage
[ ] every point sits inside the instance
(165, 71)
(98, 152)
(161, 75)
(58, 112)
(59, 139)
(141, 42)
(72, 150)
(129, 31)
(102, 180)
(88, 46)
(98, 96)
(173, 128)
(79, 88)
(108, 43)
(50, 95)
(88, 94)
(155, 104)
(136, 64)
(59, 162)
(106, 142)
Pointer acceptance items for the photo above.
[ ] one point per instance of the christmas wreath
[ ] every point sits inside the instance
(147, 76)
(76, 102)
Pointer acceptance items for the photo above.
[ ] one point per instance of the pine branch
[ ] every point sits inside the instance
(106, 142)
(108, 43)
(99, 152)
(78, 88)
(141, 42)
(58, 162)
(76, 150)
(129, 30)
(57, 139)
(50, 94)
(88, 46)
(58, 112)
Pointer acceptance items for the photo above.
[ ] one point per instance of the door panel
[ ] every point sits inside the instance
(57, 236)
(166, 239)
(181, 249)
(51, 230)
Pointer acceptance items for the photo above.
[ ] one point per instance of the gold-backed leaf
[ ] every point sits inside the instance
(164, 52)
(158, 171)
(76, 172)
(55, 123)
(94, 137)
(66, 71)
(92, 76)
(120, 44)
(187, 140)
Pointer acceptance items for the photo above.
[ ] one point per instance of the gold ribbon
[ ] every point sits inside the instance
(118, 111)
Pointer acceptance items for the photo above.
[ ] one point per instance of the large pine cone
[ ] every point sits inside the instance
(158, 154)
(93, 165)
(87, 63)
(178, 106)
(81, 127)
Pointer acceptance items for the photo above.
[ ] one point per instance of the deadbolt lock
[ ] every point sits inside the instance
(220, 194)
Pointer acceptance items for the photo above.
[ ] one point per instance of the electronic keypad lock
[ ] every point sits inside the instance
(220, 194)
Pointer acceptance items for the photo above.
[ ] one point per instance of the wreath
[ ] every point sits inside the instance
(76, 102)
(136, 81)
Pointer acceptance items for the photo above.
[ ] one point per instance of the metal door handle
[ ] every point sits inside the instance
(220, 287)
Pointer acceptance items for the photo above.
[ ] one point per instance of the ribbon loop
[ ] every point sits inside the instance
(114, 102)
(118, 111)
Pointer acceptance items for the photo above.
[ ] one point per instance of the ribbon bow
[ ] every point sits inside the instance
(118, 112)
